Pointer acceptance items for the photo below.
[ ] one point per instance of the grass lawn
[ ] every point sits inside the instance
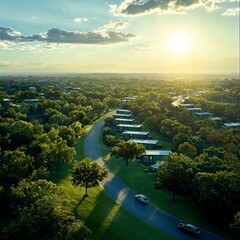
(101, 214)
(184, 207)
(166, 144)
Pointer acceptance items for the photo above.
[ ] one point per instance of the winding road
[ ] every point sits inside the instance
(124, 196)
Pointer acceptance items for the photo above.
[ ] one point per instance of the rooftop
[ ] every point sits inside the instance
(130, 125)
(123, 110)
(232, 124)
(186, 105)
(136, 132)
(194, 109)
(121, 115)
(157, 152)
(216, 118)
(143, 141)
(202, 113)
(124, 119)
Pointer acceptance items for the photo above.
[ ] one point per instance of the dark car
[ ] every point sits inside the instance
(141, 198)
(189, 228)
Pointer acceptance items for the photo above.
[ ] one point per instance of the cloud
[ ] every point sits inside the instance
(9, 34)
(112, 25)
(137, 7)
(80, 20)
(101, 36)
(231, 12)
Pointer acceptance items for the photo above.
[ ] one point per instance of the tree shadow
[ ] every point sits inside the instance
(84, 196)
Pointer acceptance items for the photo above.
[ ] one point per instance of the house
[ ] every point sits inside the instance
(123, 111)
(124, 120)
(135, 134)
(151, 156)
(32, 89)
(149, 144)
(130, 98)
(186, 105)
(7, 101)
(134, 127)
(203, 115)
(216, 119)
(31, 101)
(193, 110)
(232, 124)
(118, 115)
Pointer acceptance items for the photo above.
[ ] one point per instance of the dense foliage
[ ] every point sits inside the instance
(38, 130)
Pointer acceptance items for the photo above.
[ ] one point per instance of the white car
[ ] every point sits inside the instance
(141, 198)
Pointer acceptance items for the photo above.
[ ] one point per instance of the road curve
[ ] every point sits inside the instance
(124, 196)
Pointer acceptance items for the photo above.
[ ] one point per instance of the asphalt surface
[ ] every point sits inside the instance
(124, 196)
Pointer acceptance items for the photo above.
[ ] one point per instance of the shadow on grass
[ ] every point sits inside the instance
(58, 174)
(75, 209)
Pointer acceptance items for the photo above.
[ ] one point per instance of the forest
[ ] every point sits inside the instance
(42, 118)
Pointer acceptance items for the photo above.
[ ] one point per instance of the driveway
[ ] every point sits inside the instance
(124, 196)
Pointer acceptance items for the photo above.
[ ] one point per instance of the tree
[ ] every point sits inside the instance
(176, 174)
(88, 174)
(50, 149)
(42, 213)
(77, 128)
(127, 150)
(187, 149)
(110, 140)
(218, 191)
(109, 122)
(14, 166)
(235, 226)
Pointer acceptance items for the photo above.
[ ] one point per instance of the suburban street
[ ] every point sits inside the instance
(124, 196)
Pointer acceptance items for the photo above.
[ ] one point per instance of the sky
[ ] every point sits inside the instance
(119, 36)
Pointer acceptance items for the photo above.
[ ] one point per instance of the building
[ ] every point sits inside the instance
(203, 115)
(186, 105)
(132, 127)
(7, 101)
(32, 89)
(124, 120)
(130, 98)
(151, 156)
(149, 144)
(31, 101)
(118, 115)
(232, 124)
(194, 110)
(135, 134)
(123, 111)
(216, 118)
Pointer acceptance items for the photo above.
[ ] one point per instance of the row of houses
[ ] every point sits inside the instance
(132, 132)
(207, 115)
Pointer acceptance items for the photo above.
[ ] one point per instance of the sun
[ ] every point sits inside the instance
(179, 43)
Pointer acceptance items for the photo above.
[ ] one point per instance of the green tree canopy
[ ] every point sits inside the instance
(42, 213)
(88, 174)
(176, 174)
(127, 150)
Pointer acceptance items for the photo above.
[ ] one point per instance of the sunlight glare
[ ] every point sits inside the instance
(179, 43)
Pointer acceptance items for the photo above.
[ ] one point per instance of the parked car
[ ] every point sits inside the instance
(141, 198)
(189, 228)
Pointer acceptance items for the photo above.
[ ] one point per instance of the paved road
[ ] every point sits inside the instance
(120, 193)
